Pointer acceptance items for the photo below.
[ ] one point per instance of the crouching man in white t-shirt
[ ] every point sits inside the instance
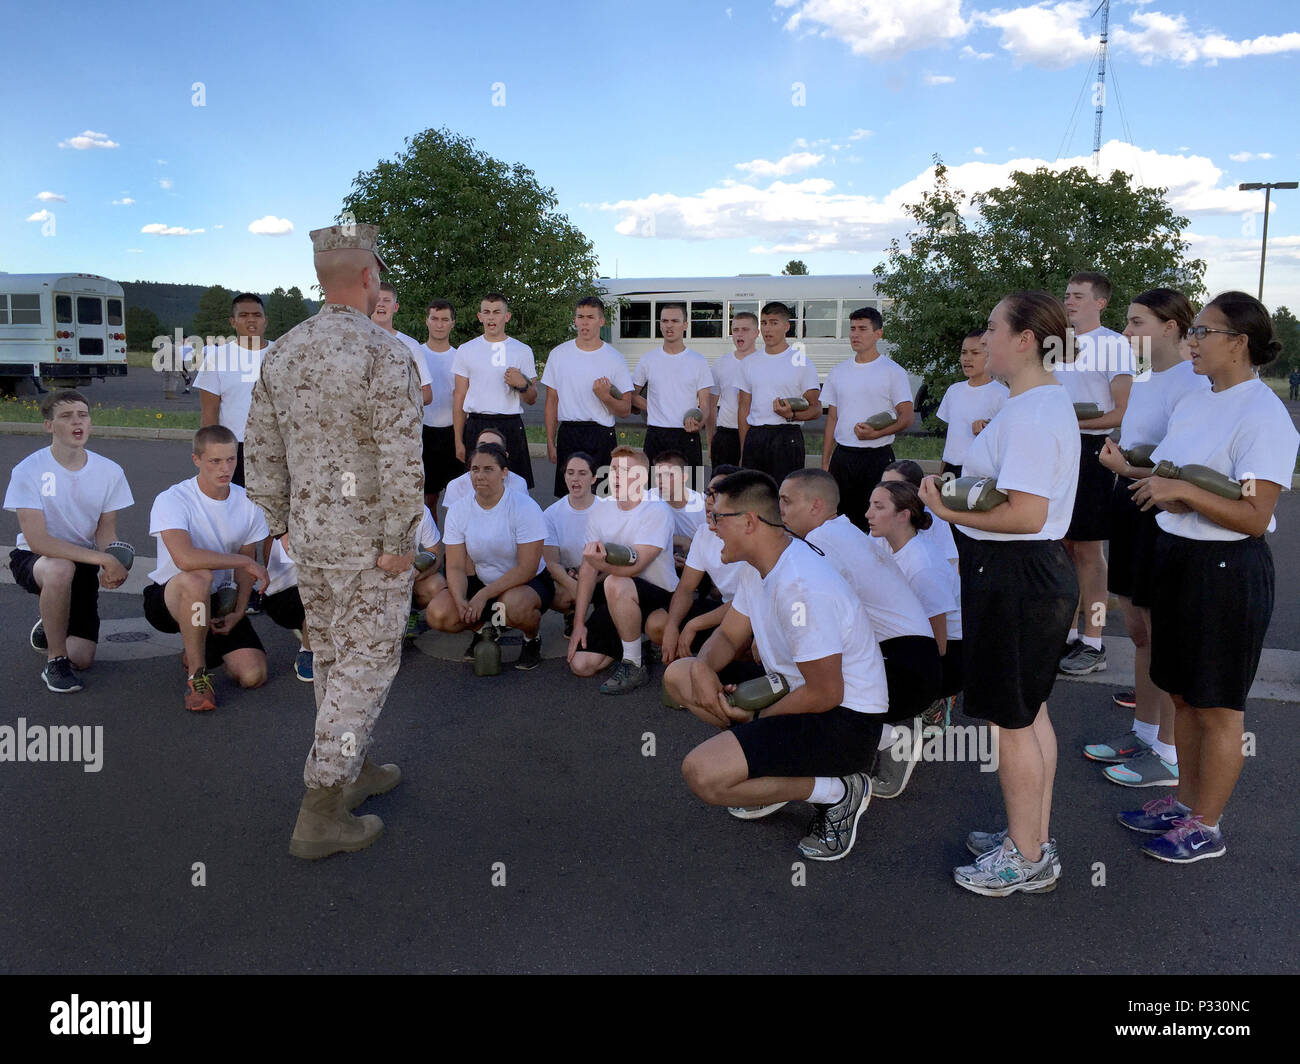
(208, 533)
(816, 743)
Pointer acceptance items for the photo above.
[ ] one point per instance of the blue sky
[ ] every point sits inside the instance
(684, 138)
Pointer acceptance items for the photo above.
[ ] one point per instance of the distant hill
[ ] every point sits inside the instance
(175, 304)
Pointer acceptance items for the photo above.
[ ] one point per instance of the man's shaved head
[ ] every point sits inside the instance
(816, 484)
(343, 267)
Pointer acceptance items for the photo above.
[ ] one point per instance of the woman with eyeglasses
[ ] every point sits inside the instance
(1018, 589)
(1157, 324)
(1212, 592)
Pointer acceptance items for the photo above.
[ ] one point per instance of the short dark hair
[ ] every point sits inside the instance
(211, 434)
(670, 458)
(723, 470)
(1247, 315)
(594, 302)
(384, 286)
(494, 451)
(871, 314)
(496, 297)
(246, 297)
(1101, 287)
(581, 456)
(440, 304)
(745, 314)
(495, 432)
(674, 306)
(64, 395)
(817, 482)
(779, 309)
(909, 470)
(973, 334)
(753, 491)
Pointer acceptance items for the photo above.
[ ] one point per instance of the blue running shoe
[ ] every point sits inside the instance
(1156, 817)
(1189, 841)
(304, 666)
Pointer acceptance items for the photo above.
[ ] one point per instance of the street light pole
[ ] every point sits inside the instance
(1268, 191)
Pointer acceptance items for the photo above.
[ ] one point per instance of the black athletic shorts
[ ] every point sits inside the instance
(439, 454)
(1018, 599)
(952, 669)
(592, 437)
(725, 448)
(948, 468)
(241, 637)
(659, 439)
(1211, 602)
(83, 612)
(543, 583)
(285, 608)
(914, 672)
(237, 477)
(1091, 517)
(857, 471)
(835, 743)
(776, 450)
(511, 426)
(1132, 546)
(602, 636)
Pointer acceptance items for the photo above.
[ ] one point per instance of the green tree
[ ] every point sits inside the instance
(213, 316)
(455, 224)
(1287, 327)
(142, 326)
(296, 310)
(795, 268)
(1032, 233)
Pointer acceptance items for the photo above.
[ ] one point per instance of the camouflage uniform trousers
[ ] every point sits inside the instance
(356, 621)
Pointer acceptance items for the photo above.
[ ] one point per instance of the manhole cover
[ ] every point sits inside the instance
(127, 637)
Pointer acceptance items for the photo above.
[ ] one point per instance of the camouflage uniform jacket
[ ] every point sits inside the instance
(333, 441)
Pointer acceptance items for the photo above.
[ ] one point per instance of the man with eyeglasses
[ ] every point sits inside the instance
(817, 742)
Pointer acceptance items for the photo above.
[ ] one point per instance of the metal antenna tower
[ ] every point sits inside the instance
(1104, 8)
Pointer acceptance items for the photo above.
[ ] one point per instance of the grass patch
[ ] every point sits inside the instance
(29, 410)
(140, 359)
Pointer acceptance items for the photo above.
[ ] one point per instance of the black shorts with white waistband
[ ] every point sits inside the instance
(439, 453)
(1131, 559)
(914, 673)
(1018, 599)
(776, 450)
(857, 471)
(1211, 602)
(835, 743)
(1090, 519)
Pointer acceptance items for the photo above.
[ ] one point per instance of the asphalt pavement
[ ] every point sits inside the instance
(543, 827)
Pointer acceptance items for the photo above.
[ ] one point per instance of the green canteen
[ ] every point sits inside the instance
(693, 412)
(1139, 457)
(882, 420)
(1086, 411)
(224, 600)
(972, 494)
(798, 403)
(423, 561)
(487, 654)
(1203, 477)
(619, 554)
(759, 693)
(123, 552)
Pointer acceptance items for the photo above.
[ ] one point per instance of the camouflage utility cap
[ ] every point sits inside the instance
(351, 237)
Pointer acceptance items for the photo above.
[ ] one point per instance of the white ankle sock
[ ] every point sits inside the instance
(1166, 750)
(1146, 732)
(632, 652)
(827, 790)
(1073, 636)
(1093, 641)
(886, 737)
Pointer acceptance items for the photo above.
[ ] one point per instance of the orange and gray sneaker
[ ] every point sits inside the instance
(199, 696)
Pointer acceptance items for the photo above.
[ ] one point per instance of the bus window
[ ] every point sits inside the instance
(850, 305)
(115, 312)
(634, 321)
(819, 317)
(90, 310)
(4, 310)
(24, 310)
(90, 345)
(706, 321)
(63, 310)
(793, 306)
(737, 307)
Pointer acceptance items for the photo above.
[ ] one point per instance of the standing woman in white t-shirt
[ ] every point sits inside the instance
(1158, 320)
(1018, 589)
(566, 532)
(1213, 584)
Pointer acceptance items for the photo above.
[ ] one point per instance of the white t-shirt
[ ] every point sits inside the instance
(566, 529)
(859, 390)
(875, 578)
(492, 537)
(726, 384)
(428, 534)
(675, 382)
(438, 413)
(804, 611)
(570, 371)
(463, 488)
(934, 581)
(690, 518)
(73, 502)
(283, 570)
(230, 371)
(705, 556)
(418, 351)
(648, 524)
(1244, 431)
(1032, 445)
(770, 377)
(1152, 401)
(962, 405)
(224, 525)
(1104, 355)
(484, 363)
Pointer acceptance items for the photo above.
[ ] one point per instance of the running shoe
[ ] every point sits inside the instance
(1189, 841)
(1005, 871)
(1083, 659)
(1156, 817)
(59, 677)
(469, 650)
(755, 812)
(531, 655)
(1125, 699)
(1148, 769)
(983, 843)
(39, 642)
(199, 695)
(894, 766)
(834, 828)
(625, 678)
(1125, 748)
(304, 666)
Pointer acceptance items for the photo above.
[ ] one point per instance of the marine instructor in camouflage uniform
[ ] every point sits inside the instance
(333, 455)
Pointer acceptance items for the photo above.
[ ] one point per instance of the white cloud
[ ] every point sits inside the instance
(89, 139)
(978, 151)
(158, 229)
(879, 28)
(727, 12)
(218, 227)
(161, 162)
(136, 251)
(164, 182)
(51, 197)
(125, 201)
(1152, 35)
(967, 52)
(270, 225)
(939, 79)
(858, 134)
(1046, 35)
(40, 216)
(783, 167)
(1249, 156)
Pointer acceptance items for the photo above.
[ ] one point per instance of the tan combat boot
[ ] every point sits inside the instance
(372, 780)
(325, 827)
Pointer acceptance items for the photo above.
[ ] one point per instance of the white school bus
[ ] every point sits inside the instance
(67, 327)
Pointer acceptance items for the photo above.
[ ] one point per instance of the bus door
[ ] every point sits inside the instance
(90, 333)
